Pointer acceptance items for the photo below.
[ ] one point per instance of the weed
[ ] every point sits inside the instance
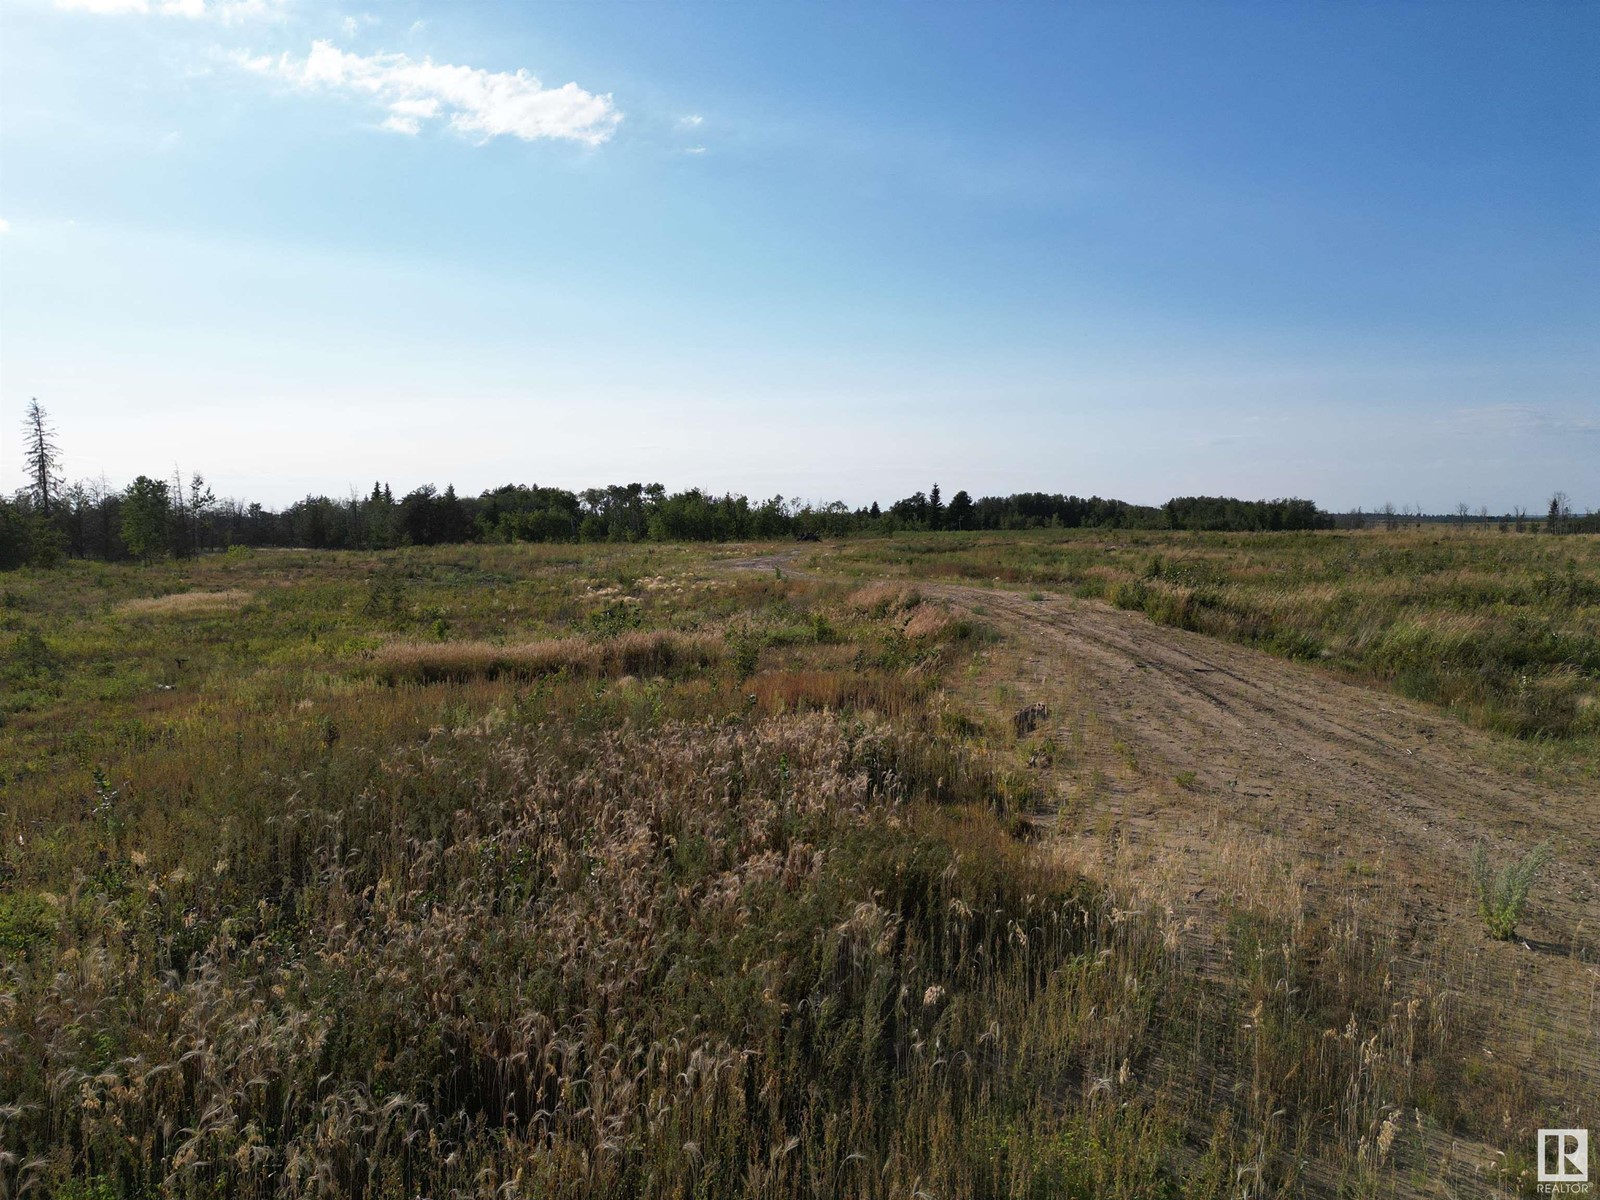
(1502, 894)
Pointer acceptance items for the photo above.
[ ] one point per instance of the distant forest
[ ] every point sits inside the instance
(153, 518)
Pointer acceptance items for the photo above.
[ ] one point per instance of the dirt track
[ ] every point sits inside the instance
(1344, 772)
(1370, 792)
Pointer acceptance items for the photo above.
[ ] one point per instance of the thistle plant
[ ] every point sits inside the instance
(1503, 894)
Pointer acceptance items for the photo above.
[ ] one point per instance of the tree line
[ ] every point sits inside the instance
(181, 517)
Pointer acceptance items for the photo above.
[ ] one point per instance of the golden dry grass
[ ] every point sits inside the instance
(928, 621)
(637, 653)
(882, 599)
(182, 604)
(836, 691)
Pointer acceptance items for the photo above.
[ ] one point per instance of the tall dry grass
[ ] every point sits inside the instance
(635, 653)
(183, 603)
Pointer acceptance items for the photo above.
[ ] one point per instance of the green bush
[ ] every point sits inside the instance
(26, 922)
(1502, 895)
(744, 649)
(31, 658)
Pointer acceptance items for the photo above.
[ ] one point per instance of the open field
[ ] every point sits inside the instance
(1503, 629)
(615, 871)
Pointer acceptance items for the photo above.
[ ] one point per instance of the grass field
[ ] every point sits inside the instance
(1502, 629)
(613, 871)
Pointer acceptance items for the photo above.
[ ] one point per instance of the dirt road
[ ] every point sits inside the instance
(1361, 792)
(1345, 772)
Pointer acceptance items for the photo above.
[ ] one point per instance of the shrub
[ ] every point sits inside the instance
(614, 620)
(26, 922)
(1502, 895)
(31, 657)
(744, 649)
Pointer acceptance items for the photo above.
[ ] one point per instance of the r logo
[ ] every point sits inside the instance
(1563, 1156)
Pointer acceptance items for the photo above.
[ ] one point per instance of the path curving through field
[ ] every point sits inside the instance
(1340, 768)
(1366, 789)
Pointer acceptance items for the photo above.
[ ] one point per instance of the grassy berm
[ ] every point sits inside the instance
(613, 872)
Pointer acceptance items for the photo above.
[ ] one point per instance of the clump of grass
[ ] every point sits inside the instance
(637, 653)
(928, 622)
(1502, 895)
(181, 604)
(883, 599)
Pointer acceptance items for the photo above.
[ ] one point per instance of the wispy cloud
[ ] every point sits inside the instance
(471, 101)
(222, 10)
(1523, 418)
(5, 226)
(690, 121)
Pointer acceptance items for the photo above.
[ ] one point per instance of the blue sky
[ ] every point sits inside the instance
(823, 249)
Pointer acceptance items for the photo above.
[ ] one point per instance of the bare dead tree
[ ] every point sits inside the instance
(42, 456)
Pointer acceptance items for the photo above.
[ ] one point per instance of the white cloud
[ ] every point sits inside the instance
(5, 225)
(222, 10)
(472, 101)
(106, 7)
(694, 150)
(690, 120)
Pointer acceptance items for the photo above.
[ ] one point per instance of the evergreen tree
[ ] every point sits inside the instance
(146, 517)
(935, 509)
(959, 514)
